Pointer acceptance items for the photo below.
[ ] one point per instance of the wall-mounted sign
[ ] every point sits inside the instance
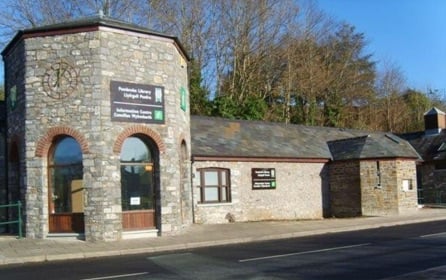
(135, 200)
(407, 185)
(136, 102)
(263, 178)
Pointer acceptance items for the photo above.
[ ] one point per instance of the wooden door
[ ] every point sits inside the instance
(138, 184)
(67, 208)
(66, 223)
(138, 219)
(139, 211)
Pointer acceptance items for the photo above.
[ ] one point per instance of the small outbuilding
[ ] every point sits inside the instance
(373, 174)
(253, 170)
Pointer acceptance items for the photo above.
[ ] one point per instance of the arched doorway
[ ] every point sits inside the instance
(65, 186)
(139, 183)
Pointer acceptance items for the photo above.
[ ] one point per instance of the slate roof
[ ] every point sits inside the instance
(431, 143)
(373, 145)
(218, 137)
(429, 146)
(98, 20)
(434, 111)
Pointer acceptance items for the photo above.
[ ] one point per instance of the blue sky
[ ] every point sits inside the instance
(409, 33)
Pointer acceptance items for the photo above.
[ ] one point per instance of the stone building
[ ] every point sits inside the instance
(431, 145)
(98, 129)
(98, 142)
(373, 174)
(317, 171)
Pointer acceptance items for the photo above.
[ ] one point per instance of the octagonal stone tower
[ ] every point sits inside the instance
(98, 130)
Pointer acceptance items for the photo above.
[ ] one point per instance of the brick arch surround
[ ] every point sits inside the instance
(44, 144)
(139, 129)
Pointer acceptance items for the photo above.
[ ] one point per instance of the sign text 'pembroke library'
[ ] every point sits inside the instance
(136, 102)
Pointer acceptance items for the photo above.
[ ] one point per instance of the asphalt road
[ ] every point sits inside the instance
(368, 254)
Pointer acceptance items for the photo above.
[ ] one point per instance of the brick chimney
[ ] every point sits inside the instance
(434, 121)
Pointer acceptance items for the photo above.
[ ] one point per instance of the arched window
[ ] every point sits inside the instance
(137, 183)
(65, 176)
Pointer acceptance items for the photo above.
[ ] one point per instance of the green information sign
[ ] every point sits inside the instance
(263, 178)
(158, 115)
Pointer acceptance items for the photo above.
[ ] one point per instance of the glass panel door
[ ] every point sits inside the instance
(66, 191)
(137, 185)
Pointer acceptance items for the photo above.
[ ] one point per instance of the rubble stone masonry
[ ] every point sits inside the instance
(300, 193)
(372, 187)
(99, 56)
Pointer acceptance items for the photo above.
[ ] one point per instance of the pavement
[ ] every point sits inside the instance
(26, 250)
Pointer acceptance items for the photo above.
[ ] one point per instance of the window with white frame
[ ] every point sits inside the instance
(215, 186)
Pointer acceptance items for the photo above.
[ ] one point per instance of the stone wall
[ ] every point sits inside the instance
(15, 134)
(148, 60)
(432, 184)
(407, 186)
(358, 189)
(98, 57)
(345, 189)
(390, 197)
(379, 199)
(300, 191)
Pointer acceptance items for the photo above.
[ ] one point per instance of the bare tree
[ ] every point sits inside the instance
(21, 14)
(248, 61)
(306, 75)
(389, 88)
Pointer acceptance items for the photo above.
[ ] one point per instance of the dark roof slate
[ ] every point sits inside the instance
(97, 20)
(373, 145)
(428, 145)
(220, 137)
(434, 111)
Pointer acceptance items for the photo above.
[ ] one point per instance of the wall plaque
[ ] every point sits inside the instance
(263, 178)
(136, 102)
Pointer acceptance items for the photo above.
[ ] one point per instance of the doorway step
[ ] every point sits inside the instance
(139, 234)
(66, 236)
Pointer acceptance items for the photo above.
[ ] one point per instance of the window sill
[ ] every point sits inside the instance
(214, 204)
